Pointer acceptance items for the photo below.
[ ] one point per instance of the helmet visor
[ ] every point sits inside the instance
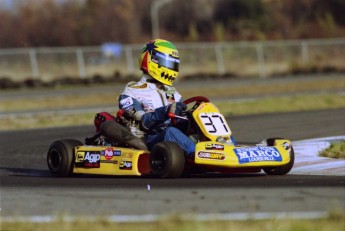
(165, 60)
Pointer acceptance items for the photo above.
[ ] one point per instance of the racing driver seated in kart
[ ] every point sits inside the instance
(149, 101)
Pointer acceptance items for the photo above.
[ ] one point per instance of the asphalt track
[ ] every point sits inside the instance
(27, 188)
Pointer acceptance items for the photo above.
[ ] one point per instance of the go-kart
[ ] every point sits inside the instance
(109, 154)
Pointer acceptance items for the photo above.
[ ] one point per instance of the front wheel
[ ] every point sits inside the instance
(281, 170)
(60, 157)
(167, 160)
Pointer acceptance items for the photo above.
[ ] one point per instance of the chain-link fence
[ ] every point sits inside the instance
(240, 58)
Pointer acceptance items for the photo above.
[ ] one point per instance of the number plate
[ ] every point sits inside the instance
(215, 124)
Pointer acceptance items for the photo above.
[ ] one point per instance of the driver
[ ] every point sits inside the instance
(148, 101)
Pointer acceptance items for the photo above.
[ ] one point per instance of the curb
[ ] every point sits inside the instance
(307, 161)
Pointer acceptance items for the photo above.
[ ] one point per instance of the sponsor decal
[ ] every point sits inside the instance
(126, 165)
(211, 155)
(134, 85)
(89, 159)
(214, 147)
(257, 154)
(170, 98)
(174, 53)
(147, 105)
(201, 107)
(117, 152)
(128, 155)
(80, 157)
(109, 153)
(126, 102)
(286, 145)
(167, 57)
(92, 157)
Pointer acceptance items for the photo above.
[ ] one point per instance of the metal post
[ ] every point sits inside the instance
(129, 59)
(219, 59)
(154, 16)
(81, 63)
(261, 59)
(34, 66)
(305, 53)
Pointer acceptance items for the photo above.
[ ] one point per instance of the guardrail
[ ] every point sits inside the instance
(242, 58)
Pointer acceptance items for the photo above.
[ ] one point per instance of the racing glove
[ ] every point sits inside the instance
(150, 120)
(176, 108)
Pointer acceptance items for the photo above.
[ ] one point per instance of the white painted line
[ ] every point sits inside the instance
(329, 139)
(190, 217)
(319, 167)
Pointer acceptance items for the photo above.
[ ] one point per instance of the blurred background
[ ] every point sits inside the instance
(89, 40)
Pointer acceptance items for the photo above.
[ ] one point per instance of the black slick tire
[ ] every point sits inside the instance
(167, 160)
(281, 170)
(60, 157)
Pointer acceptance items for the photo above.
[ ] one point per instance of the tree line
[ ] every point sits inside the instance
(47, 23)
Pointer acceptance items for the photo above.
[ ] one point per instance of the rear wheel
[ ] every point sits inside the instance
(281, 170)
(167, 160)
(60, 157)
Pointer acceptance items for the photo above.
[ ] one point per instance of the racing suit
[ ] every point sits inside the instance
(148, 102)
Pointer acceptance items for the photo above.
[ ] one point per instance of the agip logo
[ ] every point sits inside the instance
(126, 165)
(92, 157)
(91, 160)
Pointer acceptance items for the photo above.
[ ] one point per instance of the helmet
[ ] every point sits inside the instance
(160, 59)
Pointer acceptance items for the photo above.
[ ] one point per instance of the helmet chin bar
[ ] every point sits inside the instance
(160, 60)
(151, 79)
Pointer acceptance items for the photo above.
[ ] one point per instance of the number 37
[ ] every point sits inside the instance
(215, 124)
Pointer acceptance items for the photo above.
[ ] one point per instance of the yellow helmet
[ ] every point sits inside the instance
(160, 59)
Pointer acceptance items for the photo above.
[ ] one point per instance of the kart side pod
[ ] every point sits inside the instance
(231, 156)
(105, 160)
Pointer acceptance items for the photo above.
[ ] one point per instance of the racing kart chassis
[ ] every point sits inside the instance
(127, 155)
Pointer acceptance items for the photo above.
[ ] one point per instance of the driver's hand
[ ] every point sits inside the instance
(177, 108)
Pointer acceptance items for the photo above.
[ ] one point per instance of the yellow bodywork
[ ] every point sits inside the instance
(226, 155)
(211, 122)
(105, 160)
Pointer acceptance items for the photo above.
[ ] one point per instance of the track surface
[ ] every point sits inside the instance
(28, 189)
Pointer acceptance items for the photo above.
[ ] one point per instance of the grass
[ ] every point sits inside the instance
(109, 96)
(336, 150)
(68, 101)
(230, 108)
(268, 88)
(335, 222)
(283, 104)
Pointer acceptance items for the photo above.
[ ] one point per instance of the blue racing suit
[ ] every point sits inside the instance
(148, 102)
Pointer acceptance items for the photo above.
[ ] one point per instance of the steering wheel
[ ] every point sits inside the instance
(192, 130)
(198, 100)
